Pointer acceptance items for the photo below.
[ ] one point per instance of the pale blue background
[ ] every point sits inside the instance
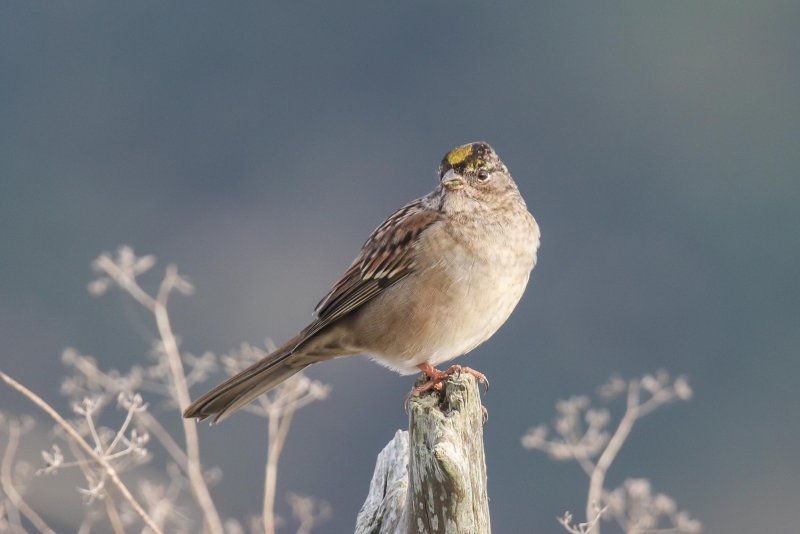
(257, 144)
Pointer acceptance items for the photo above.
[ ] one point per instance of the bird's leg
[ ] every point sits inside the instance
(480, 377)
(436, 377)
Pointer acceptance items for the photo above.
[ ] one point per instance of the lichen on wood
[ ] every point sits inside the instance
(432, 479)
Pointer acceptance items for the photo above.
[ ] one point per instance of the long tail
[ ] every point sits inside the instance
(237, 391)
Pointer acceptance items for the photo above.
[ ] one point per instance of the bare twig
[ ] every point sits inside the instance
(598, 476)
(126, 279)
(100, 452)
(170, 445)
(36, 520)
(278, 407)
(581, 436)
(308, 511)
(581, 528)
(193, 466)
(280, 419)
(91, 452)
(90, 372)
(113, 515)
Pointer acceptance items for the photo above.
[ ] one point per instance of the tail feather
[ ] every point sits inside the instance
(222, 401)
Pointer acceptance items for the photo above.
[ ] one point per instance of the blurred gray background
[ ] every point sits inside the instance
(257, 144)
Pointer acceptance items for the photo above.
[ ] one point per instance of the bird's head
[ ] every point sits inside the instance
(475, 171)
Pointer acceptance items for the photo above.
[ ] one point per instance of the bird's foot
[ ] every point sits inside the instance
(480, 377)
(436, 377)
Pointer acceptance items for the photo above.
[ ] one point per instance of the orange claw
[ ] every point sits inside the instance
(457, 369)
(436, 377)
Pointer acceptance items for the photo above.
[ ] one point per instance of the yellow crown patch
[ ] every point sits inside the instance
(458, 155)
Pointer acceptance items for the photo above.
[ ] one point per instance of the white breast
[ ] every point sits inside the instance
(458, 296)
(486, 286)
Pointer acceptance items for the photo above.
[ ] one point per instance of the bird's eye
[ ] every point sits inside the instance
(483, 175)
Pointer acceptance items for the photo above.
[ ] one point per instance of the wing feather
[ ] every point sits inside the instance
(385, 258)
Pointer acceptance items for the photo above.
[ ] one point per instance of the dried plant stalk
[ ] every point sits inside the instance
(107, 467)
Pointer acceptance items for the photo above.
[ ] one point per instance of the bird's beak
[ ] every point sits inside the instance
(452, 181)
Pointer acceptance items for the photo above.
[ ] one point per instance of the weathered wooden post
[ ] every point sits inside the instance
(432, 479)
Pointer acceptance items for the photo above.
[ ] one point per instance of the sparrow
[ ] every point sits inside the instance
(432, 282)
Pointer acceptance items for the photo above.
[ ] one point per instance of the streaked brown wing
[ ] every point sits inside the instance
(384, 259)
